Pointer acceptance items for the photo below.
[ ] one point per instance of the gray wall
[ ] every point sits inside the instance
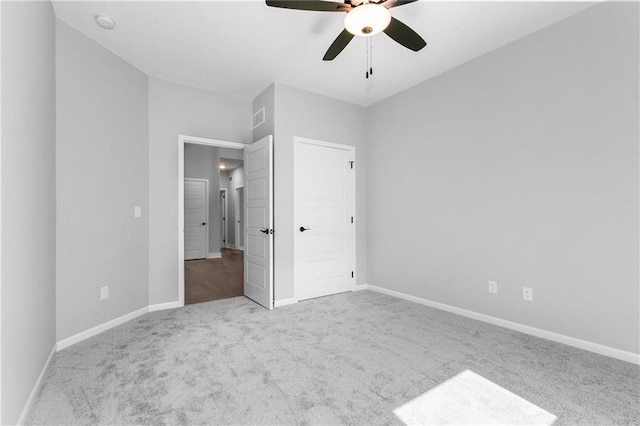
(176, 109)
(28, 199)
(297, 113)
(201, 162)
(520, 167)
(265, 99)
(102, 173)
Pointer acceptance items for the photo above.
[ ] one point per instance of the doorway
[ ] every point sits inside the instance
(324, 217)
(196, 218)
(225, 258)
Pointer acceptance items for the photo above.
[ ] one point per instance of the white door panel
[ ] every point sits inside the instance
(195, 219)
(324, 183)
(258, 226)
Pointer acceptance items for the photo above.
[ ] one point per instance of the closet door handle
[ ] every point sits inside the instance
(302, 229)
(265, 230)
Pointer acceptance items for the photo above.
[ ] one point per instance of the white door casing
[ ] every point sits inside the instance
(182, 140)
(239, 208)
(196, 218)
(324, 217)
(223, 218)
(258, 222)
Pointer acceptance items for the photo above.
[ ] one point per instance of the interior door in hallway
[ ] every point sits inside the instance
(196, 218)
(258, 223)
(324, 206)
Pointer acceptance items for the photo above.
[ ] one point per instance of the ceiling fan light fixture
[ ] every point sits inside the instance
(367, 19)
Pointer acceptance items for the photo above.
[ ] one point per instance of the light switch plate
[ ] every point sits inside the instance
(137, 212)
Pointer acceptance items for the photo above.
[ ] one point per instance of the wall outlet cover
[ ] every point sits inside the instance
(527, 294)
(493, 287)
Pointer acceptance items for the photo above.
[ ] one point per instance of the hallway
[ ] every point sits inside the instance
(214, 279)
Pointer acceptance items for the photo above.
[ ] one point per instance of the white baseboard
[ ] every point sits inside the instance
(36, 386)
(163, 306)
(544, 334)
(215, 255)
(285, 302)
(83, 335)
(65, 343)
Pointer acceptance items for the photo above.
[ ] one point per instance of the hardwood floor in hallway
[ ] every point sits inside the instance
(213, 279)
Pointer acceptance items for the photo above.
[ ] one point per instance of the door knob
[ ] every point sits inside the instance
(302, 229)
(204, 223)
(265, 230)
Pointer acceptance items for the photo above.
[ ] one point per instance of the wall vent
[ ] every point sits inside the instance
(258, 118)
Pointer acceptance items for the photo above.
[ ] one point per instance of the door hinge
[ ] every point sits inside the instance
(351, 163)
(351, 219)
(351, 274)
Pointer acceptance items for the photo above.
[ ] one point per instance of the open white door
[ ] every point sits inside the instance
(258, 197)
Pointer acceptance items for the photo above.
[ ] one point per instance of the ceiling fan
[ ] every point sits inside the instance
(364, 18)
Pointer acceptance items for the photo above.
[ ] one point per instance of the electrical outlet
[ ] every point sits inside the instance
(104, 292)
(527, 294)
(137, 212)
(493, 287)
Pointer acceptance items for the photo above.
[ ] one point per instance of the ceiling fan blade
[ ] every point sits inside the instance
(338, 45)
(405, 35)
(315, 5)
(395, 3)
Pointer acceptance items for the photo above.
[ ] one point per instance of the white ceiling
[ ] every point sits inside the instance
(240, 47)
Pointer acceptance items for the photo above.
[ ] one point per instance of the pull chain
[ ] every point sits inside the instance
(369, 57)
(366, 57)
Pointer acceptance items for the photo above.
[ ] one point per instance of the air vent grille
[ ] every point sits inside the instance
(258, 118)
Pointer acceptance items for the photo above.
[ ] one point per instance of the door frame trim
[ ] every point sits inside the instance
(352, 149)
(239, 245)
(183, 139)
(206, 209)
(225, 220)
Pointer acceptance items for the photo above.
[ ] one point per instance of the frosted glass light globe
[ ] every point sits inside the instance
(367, 19)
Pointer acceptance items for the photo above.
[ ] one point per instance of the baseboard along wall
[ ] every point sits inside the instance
(36, 386)
(285, 302)
(215, 255)
(537, 332)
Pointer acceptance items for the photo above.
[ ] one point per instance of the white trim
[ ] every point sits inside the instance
(1, 217)
(351, 206)
(236, 215)
(36, 386)
(224, 237)
(208, 141)
(361, 287)
(285, 302)
(182, 139)
(216, 255)
(83, 335)
(537, 332)
(206, 209)
(164, 306)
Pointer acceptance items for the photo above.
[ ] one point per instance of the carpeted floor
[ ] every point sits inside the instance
(214, 279)
(351, 358)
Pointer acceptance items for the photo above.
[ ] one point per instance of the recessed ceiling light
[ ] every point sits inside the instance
(106, 22)
(222, 167)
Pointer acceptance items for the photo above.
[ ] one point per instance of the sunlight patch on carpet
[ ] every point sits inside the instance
(469, 398)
